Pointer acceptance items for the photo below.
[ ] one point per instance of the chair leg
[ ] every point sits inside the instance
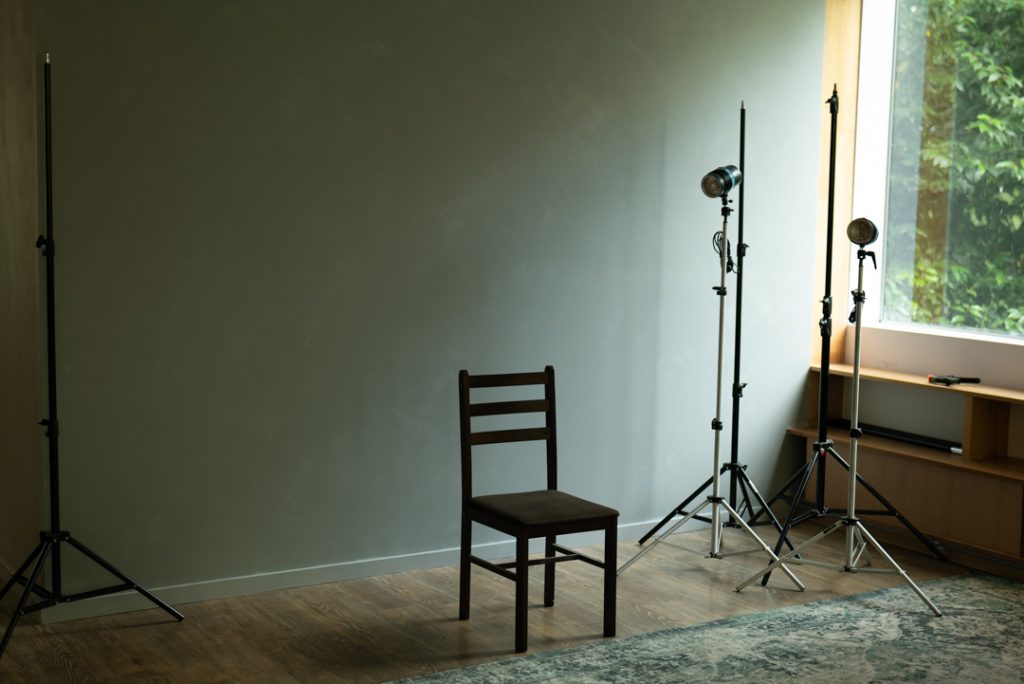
(522, 590)
(464, 567)
(549, 571)
(610, 542)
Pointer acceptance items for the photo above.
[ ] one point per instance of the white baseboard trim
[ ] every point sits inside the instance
(180, 594)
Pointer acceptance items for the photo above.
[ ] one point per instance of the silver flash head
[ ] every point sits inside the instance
(862, 232)
(720, 181)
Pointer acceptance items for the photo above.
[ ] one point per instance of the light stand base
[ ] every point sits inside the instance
(49, 543)
(741, 485)
(855, 531)
(802, 477)
(718, 507)
(857, 536)
(717, 503)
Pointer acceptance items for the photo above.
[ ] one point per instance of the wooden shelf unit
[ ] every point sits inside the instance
(972, 503)
(987, 409)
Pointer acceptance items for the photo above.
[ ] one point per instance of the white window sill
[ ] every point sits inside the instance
(910, 349)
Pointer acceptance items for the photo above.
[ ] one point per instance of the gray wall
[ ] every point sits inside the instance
(284, 227)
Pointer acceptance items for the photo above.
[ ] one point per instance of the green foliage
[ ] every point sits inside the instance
(958, 261)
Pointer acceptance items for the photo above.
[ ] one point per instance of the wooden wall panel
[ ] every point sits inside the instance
(974, 509)
(21, 440)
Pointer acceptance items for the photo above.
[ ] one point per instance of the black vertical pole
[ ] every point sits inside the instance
(50, 422)
(50, 541)
(826, 305)
(737, 386)
(822, 446)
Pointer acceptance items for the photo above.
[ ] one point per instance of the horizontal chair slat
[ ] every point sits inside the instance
(504, 572)
(497, 408)
(499, 436)
(576, 555)
(547, 560)
(507, 379)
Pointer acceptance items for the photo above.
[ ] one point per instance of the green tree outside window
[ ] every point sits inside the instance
(954, 245)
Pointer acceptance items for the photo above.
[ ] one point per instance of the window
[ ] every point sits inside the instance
(947, 172)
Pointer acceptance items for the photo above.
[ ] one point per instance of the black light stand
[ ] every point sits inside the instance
(717, 184)
(823, 447)
(863, 232)
(50, 541)
(740, 483)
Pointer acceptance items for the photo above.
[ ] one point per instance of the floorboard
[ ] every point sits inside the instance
(391, 626)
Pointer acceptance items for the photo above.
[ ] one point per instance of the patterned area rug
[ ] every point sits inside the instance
(881, 636)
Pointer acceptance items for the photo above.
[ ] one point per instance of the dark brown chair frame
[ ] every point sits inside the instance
(527, 515)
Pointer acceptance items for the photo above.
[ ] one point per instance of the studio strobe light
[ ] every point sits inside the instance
(719, 182)
(862, 232)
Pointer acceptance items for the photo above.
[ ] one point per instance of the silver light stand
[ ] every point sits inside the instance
(743, 492)
(861, 232)
(717, 184)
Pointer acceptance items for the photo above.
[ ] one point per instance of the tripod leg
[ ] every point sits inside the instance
(737, 490)
(765, 548)
(901, 571)
(936, 551)
(746, 489)
(861, 546)
(124, 578)
(678, 510)
(43, 550)
(789, 483)
(20, 572)
(791, 555)
(798, 492)
(745, 493)
(665, 534)
(765, 508)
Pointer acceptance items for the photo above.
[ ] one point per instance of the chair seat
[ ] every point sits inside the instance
(542, 507)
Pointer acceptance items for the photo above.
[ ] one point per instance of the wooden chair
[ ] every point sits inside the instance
(527, 515)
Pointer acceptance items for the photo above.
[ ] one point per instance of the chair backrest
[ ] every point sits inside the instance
(468, 410)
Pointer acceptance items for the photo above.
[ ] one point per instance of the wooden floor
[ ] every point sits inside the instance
(392, 626)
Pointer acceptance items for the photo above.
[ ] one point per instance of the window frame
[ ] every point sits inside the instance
(903, 346)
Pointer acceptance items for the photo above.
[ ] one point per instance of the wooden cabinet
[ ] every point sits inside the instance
(972, 502)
